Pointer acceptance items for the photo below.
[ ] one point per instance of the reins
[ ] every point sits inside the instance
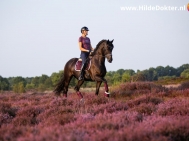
(98, 45)
(102, 55)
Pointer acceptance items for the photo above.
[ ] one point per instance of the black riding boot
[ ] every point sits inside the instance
(82, 72)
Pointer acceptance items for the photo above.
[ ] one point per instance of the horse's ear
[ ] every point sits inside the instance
(112, 41)
(108, 41)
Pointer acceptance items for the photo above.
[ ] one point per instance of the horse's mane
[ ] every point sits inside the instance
(98, 45)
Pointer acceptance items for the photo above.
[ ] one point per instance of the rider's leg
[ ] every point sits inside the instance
(83, 57)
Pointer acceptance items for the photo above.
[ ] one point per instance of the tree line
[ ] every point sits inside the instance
(44, 82)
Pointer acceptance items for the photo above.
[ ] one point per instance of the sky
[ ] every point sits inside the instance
(39, 36)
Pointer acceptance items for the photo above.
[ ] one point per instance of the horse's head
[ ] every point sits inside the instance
(104, 49)
(107, 50)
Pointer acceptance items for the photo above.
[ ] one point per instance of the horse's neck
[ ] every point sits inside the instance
(101, 59)
(99, 56)
(98, 51)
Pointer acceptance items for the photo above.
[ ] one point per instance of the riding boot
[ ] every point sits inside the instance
(82, 72)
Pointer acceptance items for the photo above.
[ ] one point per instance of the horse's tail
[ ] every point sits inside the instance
(59, 86)
(62, 85)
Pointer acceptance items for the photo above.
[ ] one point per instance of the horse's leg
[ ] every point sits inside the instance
(62, 85)
(67, 80)
(107, 94)
(98, 83)
(77, 87)
(97, 78)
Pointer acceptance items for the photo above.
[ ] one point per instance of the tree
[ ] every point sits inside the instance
(151, 74)
(30, 86)
(4, 84)
(185, 73)
(41, 87)
(108, 79)
(35, 81)
(55, 77)
(43, 78)
(116, 78)
(130, 72)
(15, 88)
(19, 84)
(126, 77)
(138, 77)
(28, 80)
(73, 82)
(160, 71)
(19, 79)
(169, 71)
(181, 69)
(48, 83)
(19, 87)
(120, 71)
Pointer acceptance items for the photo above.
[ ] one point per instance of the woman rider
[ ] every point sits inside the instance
(85, 47)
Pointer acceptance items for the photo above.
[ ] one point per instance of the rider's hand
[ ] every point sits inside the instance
(89, 51)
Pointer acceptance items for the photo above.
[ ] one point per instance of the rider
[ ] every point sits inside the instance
(85, 47)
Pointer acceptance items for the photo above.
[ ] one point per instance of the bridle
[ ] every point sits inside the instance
(110, 54)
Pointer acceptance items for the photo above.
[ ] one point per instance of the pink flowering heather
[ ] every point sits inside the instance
(134, 112)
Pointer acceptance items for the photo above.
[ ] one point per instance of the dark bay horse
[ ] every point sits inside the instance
(96, 72)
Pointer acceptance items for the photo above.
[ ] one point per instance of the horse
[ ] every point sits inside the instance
(96, 72)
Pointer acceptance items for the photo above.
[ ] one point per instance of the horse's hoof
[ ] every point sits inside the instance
(106, 94)
(65, 95)
(82, 100)
(57, 94)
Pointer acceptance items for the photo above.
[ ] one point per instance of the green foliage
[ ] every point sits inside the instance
(19, 87)
(130, 72)
(165, 75)
(90, 84)
(185, 73)
(28, 79)
(41, 88)
(30, 86)
(140, 76)
(48, 83)
(43, 78)
(4, 84)
(19, 84)
(116, 78)
(171, 80)
(55, 77)
(126, 77)
(121, 71)
(73, 82)
(18, 80)
(35, 81)
(181, 69)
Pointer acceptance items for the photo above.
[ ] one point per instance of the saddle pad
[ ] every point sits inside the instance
(78, 65)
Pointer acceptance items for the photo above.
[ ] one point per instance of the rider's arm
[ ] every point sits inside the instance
(82, 49)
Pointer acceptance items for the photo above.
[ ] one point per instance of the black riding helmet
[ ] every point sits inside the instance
(84, 28)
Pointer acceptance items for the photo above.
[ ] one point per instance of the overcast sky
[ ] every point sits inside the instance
(39, 36)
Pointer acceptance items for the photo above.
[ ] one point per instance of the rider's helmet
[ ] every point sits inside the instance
(84, 28)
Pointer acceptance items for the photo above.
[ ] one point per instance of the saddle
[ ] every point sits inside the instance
(78, 65)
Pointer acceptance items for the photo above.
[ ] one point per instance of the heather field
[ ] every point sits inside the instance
(134, 112)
